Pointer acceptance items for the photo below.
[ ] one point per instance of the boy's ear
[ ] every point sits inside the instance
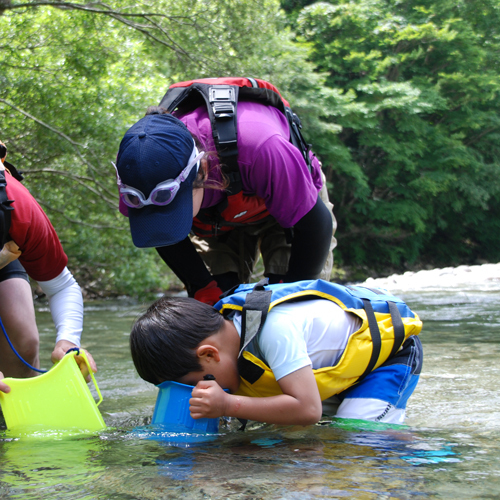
(208, 353)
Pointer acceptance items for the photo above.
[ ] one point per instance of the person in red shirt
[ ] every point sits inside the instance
(31, 249)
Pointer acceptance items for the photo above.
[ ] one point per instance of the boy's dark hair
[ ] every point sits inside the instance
(163, 340)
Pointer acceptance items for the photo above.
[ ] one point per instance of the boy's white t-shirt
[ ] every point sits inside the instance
(309, 333)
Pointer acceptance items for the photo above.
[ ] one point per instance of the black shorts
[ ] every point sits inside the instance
(13, 270)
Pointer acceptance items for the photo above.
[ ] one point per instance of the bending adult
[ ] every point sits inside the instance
(31, 248)
(171, 183)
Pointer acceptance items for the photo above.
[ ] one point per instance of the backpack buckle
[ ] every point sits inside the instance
(222, 99)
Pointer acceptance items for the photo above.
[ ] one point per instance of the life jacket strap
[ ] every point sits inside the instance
(376, 339)
(254, 312)
(397, 321)
(399, 329)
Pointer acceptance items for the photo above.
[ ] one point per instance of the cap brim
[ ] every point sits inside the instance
(154, 226)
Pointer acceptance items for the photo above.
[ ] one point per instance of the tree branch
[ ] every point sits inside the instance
(121, 16)
(80, 222)
(40, 122)
(76, 146)
(83, 181)
(477, 137)
(7, 5)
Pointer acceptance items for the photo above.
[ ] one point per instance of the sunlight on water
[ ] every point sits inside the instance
(449, 447)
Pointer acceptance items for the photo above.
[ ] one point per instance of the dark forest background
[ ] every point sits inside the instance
(399, 99)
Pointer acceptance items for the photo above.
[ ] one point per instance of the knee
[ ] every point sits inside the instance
(28, 348)
(24, 337)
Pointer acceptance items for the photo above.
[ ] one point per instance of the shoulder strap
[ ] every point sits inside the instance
(254, 313)
(397, 324)
(253, 317)
(296, 137)
(258, 301)
(5, 209)
(221, 99)
(13, 171)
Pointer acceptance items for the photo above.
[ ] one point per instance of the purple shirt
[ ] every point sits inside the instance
(270, 166)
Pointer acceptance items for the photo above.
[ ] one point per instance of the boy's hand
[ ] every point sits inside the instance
(208, 400)
(3, 387)
(60, 350)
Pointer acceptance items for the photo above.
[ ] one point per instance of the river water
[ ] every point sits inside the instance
(449, 447)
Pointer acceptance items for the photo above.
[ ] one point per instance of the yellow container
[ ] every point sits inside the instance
(57, 400)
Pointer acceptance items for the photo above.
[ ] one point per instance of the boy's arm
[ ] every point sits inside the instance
(300, 403)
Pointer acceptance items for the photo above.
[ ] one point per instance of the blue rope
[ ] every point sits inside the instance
(17, 354)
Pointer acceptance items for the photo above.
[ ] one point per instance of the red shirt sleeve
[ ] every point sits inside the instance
(42, 254)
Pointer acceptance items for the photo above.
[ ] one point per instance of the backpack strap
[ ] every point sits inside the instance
(222, 106)
(296, 137)
(221, 102)
(5, 210)
(13, 171)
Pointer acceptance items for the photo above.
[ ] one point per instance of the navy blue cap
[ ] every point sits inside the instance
(155, 149)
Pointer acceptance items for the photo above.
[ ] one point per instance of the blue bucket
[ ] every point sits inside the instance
(172, 410)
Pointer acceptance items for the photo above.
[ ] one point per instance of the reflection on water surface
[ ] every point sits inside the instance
(448, 449)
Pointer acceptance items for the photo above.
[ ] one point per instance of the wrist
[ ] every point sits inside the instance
(65, 344)
(60, 349)
(67, 338)
(233, 406)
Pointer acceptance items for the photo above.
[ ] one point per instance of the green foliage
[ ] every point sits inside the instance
(67, 95)
(74, 79)
(415, 168)
(400, 100)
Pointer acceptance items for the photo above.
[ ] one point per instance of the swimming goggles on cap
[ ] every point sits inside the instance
(164, 192)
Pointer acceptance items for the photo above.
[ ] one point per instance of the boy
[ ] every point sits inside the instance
(302, 343)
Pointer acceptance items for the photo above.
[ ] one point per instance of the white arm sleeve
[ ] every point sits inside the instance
(66, 306)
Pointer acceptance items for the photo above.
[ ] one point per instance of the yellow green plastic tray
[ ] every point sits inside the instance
(57, 400)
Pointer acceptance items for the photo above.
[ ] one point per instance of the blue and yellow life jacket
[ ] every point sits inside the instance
(386, 323)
